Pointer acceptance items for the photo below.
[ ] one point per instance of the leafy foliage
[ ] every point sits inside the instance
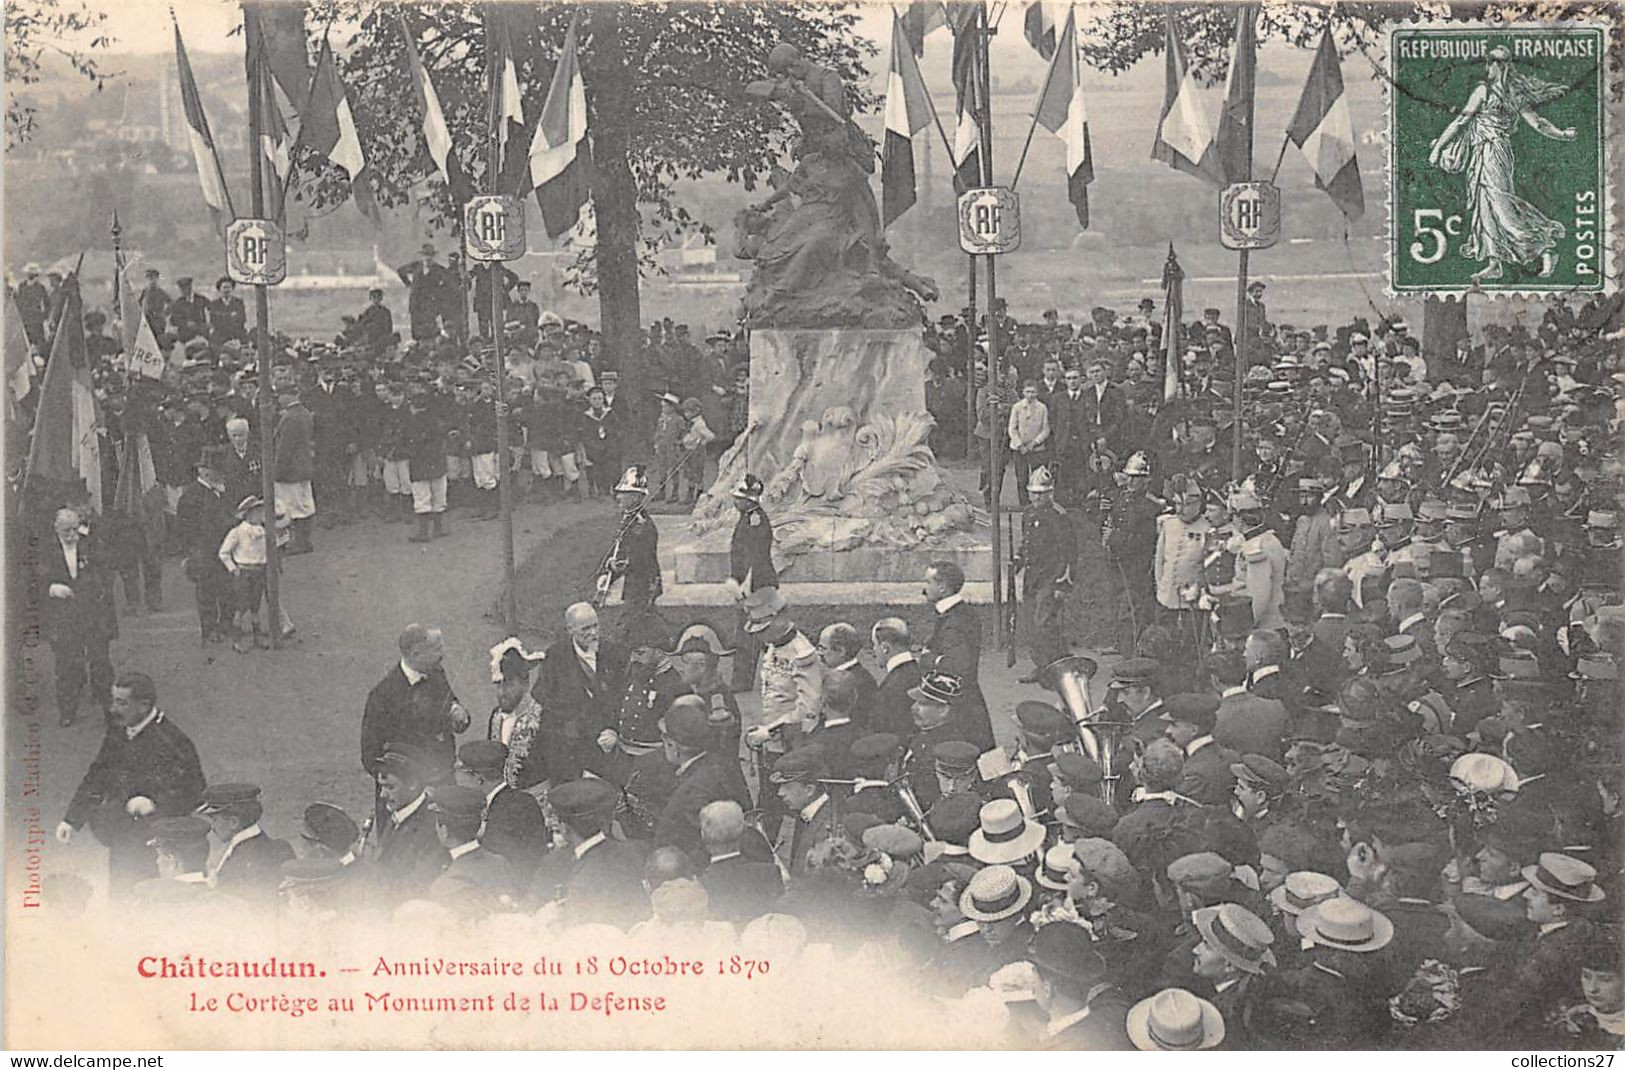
(684, 87)
(1116, 36)
(34, 28)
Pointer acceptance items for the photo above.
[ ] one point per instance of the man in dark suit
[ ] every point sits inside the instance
(1207, 777)
(241, 471)
(511, 822)
(33, 306)
(202, 519)
(414, 704)
(703, 775)
(74, 587)
(228, 319)
(250, 863)
(798, 777)
(405, 851)
(477, 881)
(375, 324)
(147, 769)
(294, 465)
(890, 713)
(1246, 723)
(189, 314)
(579, 688)
(932, 703)
(426, 282)
(1070, 437)
(955, 646)
(740, 890)
(1106, 410)
(838, 648)
(750, 566)
(597, 880)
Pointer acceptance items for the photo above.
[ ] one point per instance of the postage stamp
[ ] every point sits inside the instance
(1498, 176)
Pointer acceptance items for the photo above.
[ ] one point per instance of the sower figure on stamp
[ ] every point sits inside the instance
(1502, 227)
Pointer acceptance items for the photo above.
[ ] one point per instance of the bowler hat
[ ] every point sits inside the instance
(1066, 951)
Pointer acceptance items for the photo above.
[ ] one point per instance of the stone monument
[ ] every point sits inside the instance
(838, 428)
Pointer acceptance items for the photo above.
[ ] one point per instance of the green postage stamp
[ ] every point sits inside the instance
(1498, 169)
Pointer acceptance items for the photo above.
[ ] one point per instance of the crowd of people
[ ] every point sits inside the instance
(1349, 778)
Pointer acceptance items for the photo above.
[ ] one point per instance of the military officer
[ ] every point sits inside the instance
(750, 568)
(1049, 549)
(249, 867)
(476, 881)
(634, 555)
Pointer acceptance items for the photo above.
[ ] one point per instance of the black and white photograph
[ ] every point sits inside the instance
(798, 525)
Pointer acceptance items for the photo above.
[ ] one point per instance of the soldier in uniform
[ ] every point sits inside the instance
(1049, 549)
(511, 824)
(750, 568)
(594, 878)
(182, 847)
(798, 780)
(634, 556)
(791, 673)
(1129, 534)
(933, 700)
(477, 881)
(250, 864)
(405, 854)
(955, 646)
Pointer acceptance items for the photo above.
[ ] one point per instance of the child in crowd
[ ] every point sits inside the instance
(669, 431)
(693, 444)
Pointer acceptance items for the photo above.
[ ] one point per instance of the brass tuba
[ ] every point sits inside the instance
(1069, 678)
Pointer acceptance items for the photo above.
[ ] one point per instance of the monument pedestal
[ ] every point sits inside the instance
(838, 435)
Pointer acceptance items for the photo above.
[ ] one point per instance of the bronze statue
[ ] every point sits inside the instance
(821, 260)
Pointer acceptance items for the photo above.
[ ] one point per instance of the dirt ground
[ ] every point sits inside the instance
(289, 719)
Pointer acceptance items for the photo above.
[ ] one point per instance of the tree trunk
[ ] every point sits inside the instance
(615, 203)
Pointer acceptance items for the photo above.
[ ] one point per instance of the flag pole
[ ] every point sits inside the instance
(262, 346)
(996, 432)
(1242, 257)
(493, 170)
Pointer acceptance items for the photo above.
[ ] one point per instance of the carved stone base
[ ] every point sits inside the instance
(838, 436)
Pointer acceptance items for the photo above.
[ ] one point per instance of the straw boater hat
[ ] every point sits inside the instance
(994, 894)
(1345, 924)
(1054, 873)
(1175, 1020)
(1302, 890)
(1239, 936)
(1005, 835)
(1565, 877)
